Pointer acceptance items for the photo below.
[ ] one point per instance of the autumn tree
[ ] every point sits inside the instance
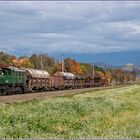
(108, 76)
(33, 60)
(57, 67)
(22, 62)
(72, 66)
(87, 69)
(100, 74)
(42, 61)
(5, 58)
(119, 75)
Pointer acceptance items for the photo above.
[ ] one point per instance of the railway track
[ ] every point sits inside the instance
(49, 94)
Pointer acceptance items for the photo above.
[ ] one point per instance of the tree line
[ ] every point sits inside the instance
(45, 62)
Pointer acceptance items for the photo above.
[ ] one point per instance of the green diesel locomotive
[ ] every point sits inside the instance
(12, 80)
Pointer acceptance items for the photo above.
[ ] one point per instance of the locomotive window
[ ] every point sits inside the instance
(16, 73)
(6, 71)
(1, 72)
(20, 74)
(23, 74)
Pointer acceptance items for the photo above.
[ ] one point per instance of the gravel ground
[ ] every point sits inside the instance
(45, 95)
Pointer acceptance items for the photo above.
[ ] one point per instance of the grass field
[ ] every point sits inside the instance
(113, 113)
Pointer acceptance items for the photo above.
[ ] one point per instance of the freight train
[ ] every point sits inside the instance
(26, 80)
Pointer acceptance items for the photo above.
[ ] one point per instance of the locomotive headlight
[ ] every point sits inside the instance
(6, 81)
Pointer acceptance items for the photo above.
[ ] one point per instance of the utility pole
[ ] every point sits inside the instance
(93, 73)
(118, 77)
(41, 62)
(125, 77)
(62, 62)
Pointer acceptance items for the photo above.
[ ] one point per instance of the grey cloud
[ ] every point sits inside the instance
(76, 27)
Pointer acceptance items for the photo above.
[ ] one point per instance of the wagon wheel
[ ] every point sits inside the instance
(8, 92)
(0, 92)
(19, 90)
(4, 92)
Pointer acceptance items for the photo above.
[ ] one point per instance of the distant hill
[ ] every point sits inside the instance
(127, 67)
(131, 67)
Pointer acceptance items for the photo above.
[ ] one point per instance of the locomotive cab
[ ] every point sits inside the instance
(12, 80)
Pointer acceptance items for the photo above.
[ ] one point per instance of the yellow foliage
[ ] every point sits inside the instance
(22, 62)
(101, 74)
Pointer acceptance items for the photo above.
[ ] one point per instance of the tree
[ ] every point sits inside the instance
(108, 76)
(56, 67)
(43, 61)
(22, 62)
(5, 58)
(33, 60)
(118, 75)
(87, 69)
(72, 66)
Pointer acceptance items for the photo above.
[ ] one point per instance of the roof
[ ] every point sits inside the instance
(37, 73)
(11, 68)
(83, 77)
(79, 77)
(16, 69)
(67, 75)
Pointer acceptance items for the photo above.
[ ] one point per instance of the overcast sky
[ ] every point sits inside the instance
(75, 28)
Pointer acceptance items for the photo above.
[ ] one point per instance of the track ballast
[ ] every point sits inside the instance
(49, 94)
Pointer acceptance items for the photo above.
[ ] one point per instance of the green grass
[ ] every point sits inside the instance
(113, 113)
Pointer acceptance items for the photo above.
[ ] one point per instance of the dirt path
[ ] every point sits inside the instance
(44, 95)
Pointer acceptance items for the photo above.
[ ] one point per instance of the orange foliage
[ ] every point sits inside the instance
(22, 62)
(75, 67)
